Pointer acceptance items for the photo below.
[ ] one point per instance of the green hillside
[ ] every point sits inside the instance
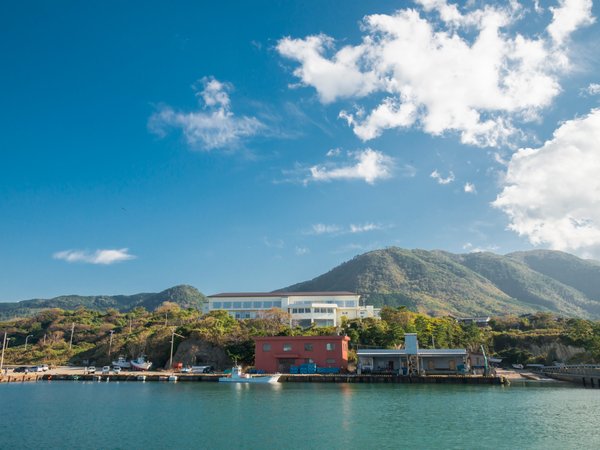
(581, 274)
(184, 296)
(438, 282)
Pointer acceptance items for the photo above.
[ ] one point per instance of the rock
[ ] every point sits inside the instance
(195, 352)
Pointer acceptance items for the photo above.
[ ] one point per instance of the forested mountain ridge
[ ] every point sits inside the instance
(439, 282)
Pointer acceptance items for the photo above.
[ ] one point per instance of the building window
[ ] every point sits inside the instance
(266, 347)
(330, 346)
(216, 305)
(226, 305)
(237, 305)
(330, 310)
(294, 310)
(257, 304)
(287, 347)
(267, 305)
(277, 304)
(330, 361)
(308, 347)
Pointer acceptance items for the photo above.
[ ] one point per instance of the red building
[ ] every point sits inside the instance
(279, 353)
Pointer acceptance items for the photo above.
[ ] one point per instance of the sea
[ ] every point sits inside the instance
(187, 415)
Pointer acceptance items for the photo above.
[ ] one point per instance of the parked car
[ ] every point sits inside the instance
(105, 370)
(91, 369)
(37, 369)
(45, 367)
(22, 369)
(116, 370)
(186, 370)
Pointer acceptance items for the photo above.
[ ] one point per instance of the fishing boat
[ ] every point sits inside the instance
(140, 363)
(122, 363)
(238, 377)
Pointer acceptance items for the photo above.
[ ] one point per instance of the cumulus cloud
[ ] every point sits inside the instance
(214, 126)
(105, 257)
(591, 89)
(440, 179)
(301, 251)
(568, 17)
(443, 69)
(367, 165)
(469, 188)
(551, 193)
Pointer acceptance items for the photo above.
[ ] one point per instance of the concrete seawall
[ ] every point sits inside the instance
(286, 378)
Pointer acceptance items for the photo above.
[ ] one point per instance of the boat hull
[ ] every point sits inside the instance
(251, 380)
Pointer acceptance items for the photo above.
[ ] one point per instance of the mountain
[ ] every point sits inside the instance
(183, 295)
(439, 282)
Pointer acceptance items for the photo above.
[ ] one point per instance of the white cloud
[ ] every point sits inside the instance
(364, 227)
(474, 249)
(321, 228)
(470, 188)
(105, 257)
(592, 89)
(273, 243)
(444, 69)
(215, 126)
(440, 179)
(367, 165)
(334, 152)
(301, 251)
(568, 17)
(551, 193)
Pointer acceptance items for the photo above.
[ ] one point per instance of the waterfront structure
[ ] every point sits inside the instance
(305, 308)
(411, 360)
(280, 353)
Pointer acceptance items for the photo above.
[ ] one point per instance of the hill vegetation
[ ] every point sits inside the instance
(183, 295)
(539, 338)
(439, 283)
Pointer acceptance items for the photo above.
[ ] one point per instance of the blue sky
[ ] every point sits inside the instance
(253, 145)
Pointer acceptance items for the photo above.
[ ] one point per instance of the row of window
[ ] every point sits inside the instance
(315, 310)
(308, 347)
(247, 305)
(340, 303)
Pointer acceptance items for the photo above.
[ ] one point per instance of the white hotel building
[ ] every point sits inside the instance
(305, 308)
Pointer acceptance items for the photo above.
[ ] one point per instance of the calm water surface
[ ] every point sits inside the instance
(127, 415)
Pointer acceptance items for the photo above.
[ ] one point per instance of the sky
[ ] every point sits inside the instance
(252, 145)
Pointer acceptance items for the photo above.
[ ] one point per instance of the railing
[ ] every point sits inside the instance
(576, 369)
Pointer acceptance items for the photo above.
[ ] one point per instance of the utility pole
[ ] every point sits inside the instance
(173, 334)
(166, 318)
(72, 331)
(3, 346)
(130, 325)
(110, 343)
(26, 339)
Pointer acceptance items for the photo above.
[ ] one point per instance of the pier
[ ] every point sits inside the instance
(285, 378)
(587, 375)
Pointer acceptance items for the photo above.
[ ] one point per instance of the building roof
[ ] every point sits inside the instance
(421, 352)
(301, 338)
(281, 294)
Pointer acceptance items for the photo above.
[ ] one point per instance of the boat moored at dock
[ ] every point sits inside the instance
(237, 376)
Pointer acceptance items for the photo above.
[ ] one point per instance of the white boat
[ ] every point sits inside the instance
(238, 377)
(141, 377)
(140, 363)
(122, 363)
(173, 378)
